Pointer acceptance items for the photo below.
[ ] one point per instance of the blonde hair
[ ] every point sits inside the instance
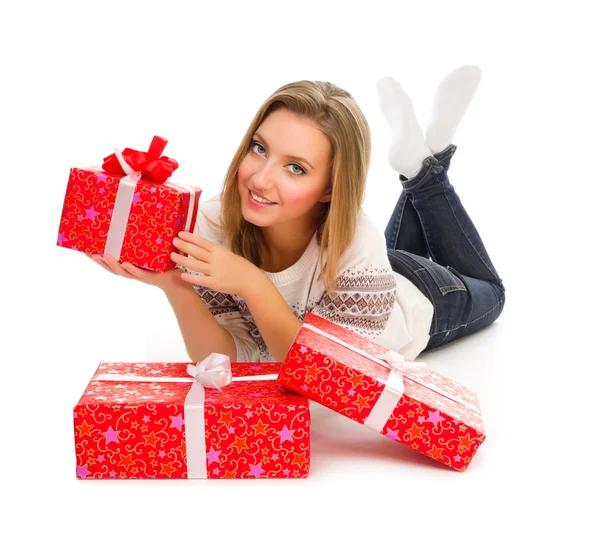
(339, 117)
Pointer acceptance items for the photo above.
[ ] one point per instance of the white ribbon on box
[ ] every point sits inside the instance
(394, 386)
(212, 372)
(122, 208)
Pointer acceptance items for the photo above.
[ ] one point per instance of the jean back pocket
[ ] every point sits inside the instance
(446, 278)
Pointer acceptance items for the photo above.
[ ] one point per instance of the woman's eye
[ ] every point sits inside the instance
(299, 169)
(302, 170)
(257, 144)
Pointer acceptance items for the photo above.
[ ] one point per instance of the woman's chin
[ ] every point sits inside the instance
(251, 217)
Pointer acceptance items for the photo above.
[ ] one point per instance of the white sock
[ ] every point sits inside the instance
(408, 148)
(452, 98)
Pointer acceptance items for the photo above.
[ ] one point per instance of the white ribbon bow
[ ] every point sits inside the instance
(212, 372)
(397, 361)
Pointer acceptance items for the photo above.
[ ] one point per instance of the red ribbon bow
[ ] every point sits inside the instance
(151, 165)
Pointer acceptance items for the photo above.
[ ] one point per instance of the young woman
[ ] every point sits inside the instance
(287, 235)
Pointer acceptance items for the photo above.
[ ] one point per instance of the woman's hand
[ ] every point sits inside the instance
(162, 280)
(221, 269)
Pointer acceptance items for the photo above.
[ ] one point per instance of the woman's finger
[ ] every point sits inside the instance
(196, 249)
(116, 266)
(190, 263)
(99, 261)
(136, 272)
(198, 240)
(197, 279)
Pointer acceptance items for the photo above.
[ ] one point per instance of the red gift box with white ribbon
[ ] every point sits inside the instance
(175, 420)
(404, 400)
(128, 209)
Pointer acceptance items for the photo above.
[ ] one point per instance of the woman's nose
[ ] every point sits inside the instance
(265, 176)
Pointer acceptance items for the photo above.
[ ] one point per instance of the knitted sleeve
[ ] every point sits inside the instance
(365, 290)
(222, 306)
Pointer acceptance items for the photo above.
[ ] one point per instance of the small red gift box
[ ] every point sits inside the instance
(405, 401)
(127, 210)
(156, 420)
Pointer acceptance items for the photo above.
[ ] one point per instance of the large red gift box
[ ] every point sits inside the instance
(247, 429)
(132, 216)
(409, 402)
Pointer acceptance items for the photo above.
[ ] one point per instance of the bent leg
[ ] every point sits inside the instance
(449, 233)
(404, 231)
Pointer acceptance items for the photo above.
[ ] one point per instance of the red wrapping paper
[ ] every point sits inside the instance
(158, 212)
(253, 429)
(447, 430)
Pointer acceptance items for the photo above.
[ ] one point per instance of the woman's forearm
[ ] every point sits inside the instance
(275, 320)
(202, 333)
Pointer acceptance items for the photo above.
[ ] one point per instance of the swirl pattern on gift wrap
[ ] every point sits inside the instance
(350, 384)
(137, 429)
(156, 216)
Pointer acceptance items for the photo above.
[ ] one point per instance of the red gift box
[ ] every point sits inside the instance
(408, 402)
(127, 210)
(157, 428)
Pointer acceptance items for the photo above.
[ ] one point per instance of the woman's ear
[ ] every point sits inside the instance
(326, 197)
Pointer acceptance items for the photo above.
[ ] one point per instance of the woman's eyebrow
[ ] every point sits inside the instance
(286, 156)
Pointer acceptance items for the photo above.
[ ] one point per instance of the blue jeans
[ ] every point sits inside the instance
(460, 280)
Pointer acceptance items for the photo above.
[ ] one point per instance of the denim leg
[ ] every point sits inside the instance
(404, 231)
(460, 279)
(449, 232)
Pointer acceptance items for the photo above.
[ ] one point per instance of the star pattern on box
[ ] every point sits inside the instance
(155, 218)
(253, 429)
(436, 416)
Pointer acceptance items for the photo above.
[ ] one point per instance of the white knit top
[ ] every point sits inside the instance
(370, 298)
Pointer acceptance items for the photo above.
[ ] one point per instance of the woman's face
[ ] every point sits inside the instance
(288, 164)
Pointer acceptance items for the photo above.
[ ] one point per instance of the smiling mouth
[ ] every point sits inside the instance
(254, 196)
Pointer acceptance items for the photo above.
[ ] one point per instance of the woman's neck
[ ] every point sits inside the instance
(283, 252)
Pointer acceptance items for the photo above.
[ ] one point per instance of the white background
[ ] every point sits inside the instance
(78, 79)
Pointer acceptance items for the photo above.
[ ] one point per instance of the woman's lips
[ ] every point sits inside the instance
(255, 203)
